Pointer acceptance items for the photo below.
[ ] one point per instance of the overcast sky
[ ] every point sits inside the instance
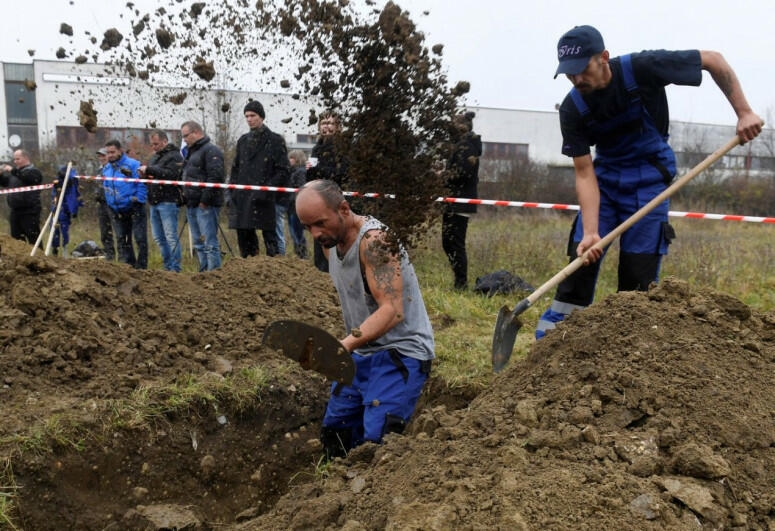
(506, 49)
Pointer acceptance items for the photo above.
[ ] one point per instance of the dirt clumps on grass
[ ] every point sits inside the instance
(645, 411)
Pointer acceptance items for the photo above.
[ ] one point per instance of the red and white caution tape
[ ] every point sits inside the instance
(560, 206)
(724, 217)
(25, 189)
(490, 202)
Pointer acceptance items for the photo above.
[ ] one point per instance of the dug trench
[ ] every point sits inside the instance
(145, 400)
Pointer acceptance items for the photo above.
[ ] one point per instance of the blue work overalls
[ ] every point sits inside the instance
(633, 164)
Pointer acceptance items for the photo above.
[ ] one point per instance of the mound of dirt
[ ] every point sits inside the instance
(80, 329)
(645, 411)
(80, 336)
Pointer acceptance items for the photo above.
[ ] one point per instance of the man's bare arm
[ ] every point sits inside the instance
(749, 125)
(382, 268)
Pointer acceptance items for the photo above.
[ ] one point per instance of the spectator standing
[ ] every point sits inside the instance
(126, 200)
(619, 105)
(326, 163)
(25, 207)
(203, 163)
(388, 331)
(103, 212)
(164, 200)
(261, 159)
(71, 202)
(463, 180)
(298, 162)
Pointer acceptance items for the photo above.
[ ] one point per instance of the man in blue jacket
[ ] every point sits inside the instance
(126, 200)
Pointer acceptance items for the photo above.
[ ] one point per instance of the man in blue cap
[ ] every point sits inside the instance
(619, 106)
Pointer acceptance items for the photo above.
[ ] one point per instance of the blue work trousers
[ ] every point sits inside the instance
(385, 389)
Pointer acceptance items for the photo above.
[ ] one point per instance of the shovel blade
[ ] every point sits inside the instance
(506, 327)
(314, 349)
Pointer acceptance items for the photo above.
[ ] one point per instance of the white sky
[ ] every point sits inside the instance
(506, 49)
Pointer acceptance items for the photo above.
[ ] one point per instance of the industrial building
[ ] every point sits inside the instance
(43, 100)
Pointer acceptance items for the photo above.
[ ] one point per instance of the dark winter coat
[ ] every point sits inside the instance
(261, 159)
(203, 164)
(298, 179)
(165, 165)
(463, 169)
(330, 165)
(18, 177)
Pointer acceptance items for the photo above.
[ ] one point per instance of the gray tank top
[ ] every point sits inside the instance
(413, 336)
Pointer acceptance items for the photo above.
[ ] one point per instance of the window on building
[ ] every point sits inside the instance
(75, 137)
(20, 105)
(505, 151)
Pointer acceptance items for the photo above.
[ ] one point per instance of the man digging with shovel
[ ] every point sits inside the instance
(389, 334)
(619, 106)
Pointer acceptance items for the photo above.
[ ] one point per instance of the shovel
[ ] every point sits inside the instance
(507, 325)
(314, 349)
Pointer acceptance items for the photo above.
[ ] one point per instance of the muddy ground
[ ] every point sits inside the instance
(646, 411)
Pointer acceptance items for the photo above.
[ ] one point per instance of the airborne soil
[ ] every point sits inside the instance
(645, 411)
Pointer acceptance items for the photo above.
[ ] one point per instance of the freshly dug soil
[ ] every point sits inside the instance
(645, 411)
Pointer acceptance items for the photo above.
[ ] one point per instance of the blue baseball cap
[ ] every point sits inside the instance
(576, 47)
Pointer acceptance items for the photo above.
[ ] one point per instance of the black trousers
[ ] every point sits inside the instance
(106, 231)
(453, 240)
(25, 225)
(247, 240)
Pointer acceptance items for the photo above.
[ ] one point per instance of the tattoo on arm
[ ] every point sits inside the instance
(384, 264)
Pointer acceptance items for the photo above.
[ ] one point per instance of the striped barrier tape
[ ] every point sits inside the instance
(26, 188)
(491, 202)
(487, 202)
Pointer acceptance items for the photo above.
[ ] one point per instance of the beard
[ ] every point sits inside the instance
(328, 243)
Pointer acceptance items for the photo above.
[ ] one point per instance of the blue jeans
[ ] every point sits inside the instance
(280, 213)
(128, 223)
(204, 233)
(164, 227)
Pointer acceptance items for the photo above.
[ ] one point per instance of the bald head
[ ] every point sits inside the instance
(322, 209)
(328, 191)
(21, 158)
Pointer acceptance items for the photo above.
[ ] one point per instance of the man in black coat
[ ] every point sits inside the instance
(463, 169)
(203, 163)
(164, 200)
(25, 206)
(261, 159)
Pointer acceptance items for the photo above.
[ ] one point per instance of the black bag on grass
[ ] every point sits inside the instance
(501, 282)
